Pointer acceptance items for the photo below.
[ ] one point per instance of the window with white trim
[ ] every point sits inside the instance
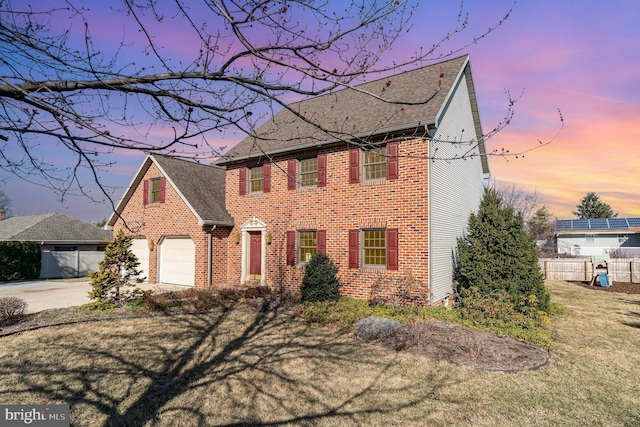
(375, 164)
(308, 172)
(374, 248)
(256, 179)
(307, 245)
(154, 190)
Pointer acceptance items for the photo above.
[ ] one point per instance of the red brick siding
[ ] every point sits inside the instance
(337, 208)
(173, 218)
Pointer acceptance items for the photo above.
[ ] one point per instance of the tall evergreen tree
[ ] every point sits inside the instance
(592, 207)
(497, 253)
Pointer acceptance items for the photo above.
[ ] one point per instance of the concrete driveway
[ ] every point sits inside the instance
(45, 294)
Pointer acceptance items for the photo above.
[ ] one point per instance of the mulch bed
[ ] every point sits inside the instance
(458, 345)
(619, 287)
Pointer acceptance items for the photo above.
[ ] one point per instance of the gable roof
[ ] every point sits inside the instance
(50, 227)
(201, 188)
(405, 101)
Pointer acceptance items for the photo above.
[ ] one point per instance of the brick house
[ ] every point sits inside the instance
(180, 226)
(383, 182)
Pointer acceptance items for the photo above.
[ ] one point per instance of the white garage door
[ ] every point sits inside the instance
(177, 261)
(141, 250)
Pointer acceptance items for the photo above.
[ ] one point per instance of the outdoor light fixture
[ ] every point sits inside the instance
(150, 244)
(236, 238)
(269, 238)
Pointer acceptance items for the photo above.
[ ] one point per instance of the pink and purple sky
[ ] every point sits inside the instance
(579, 57)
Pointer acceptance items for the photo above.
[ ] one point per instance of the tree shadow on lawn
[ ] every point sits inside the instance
(223, 368)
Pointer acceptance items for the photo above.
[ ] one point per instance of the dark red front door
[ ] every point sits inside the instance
(255, 256)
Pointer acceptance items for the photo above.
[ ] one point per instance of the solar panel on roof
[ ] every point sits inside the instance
(581, 224)
(598, 223)
(634, 222)
(563, 224)
(618, 223)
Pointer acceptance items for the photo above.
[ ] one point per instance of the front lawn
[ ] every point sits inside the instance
(237, 368)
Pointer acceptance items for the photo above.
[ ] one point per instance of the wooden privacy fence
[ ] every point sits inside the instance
(620, 269)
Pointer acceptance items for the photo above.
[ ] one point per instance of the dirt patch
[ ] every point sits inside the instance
(618, 287)
(446, 342)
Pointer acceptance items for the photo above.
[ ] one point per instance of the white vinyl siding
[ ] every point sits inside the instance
(455, 188)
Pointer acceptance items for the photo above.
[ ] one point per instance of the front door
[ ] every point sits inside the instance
(255, 255)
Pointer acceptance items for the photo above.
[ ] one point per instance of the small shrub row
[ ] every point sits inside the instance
(345, 312)
(200, 299)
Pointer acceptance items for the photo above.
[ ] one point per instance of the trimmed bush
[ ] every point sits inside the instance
(19, 261)
(372, 328)
(320, 281)
(11, 309)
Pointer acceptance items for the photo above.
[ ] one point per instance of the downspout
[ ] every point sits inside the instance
(210, 254)
(429, 231)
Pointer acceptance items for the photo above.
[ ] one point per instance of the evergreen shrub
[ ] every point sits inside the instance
(116, 271)
(320, 281)
(19, 261)
(498, 254)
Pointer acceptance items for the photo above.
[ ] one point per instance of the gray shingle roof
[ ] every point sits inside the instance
(369, 109)
(50, 228)
(202, 188)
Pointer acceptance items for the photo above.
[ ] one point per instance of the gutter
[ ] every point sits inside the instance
(203, 222)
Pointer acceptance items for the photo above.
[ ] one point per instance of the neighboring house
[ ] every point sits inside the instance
(365, 187)
(55, 234)
(598, 236)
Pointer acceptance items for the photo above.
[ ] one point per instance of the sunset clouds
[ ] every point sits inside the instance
(581, 58)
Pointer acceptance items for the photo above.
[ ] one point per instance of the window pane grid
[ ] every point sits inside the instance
(308, 172)
(307, 243)
(374, 245)
(155, 191)
(255, 179)
(375, 164)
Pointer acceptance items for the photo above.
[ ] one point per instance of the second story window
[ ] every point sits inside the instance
(256, 179)
(308, 172)
(154, 190)
(375, 164)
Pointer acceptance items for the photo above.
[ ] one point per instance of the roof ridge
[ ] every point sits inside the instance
(333, 92)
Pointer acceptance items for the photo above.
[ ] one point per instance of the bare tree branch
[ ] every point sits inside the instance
(64, 84)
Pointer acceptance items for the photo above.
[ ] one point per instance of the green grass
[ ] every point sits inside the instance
(228, 368)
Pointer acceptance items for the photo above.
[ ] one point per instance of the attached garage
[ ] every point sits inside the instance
(177, 261)
(140, 248)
